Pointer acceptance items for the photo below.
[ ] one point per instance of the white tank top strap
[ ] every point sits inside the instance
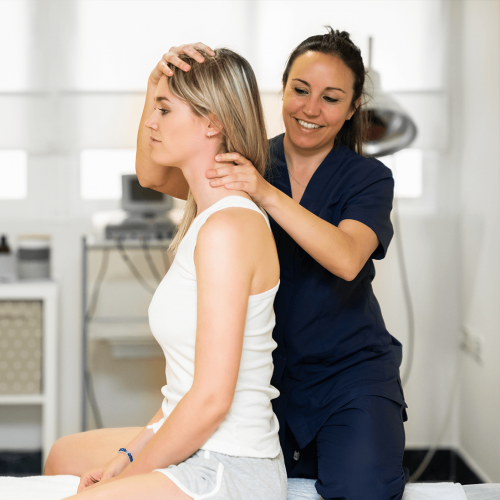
(229, 202)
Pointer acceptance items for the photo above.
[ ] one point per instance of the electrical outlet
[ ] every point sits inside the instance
(472, 344)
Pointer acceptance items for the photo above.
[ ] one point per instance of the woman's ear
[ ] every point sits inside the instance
(213, 126)
(354, 108)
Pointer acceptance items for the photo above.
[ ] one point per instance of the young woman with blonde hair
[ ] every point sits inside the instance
(216, 435)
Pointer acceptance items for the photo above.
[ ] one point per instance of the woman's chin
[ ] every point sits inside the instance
(304, 141)
(160, 159)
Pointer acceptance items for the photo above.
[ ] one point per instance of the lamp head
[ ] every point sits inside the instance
(390, 128)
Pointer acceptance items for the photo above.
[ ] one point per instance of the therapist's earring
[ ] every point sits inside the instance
(209, 134)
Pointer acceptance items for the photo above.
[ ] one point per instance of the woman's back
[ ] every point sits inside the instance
(250, 427)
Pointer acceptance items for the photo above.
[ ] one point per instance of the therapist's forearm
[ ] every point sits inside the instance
(148, 172)
(187, 428)
(168, 180)
(331, 247)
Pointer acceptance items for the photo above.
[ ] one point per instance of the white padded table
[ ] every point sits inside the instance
(59, 487)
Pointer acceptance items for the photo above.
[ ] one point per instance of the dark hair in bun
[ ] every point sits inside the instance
(339, 44)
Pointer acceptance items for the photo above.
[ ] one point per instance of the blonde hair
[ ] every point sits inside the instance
(223, 86)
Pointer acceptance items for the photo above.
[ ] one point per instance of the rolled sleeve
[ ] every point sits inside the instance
(372, 206)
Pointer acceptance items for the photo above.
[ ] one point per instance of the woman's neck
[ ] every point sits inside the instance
(304, 160)
(205, 195)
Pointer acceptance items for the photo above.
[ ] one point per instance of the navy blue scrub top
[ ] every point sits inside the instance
(332, 342)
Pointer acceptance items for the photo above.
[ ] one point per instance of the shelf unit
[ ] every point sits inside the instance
(128, 339)
(45, 291)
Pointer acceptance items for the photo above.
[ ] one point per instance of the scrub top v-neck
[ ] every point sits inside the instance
(333, 345)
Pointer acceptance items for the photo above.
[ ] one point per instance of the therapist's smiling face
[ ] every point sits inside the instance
(317, 100)
(176, 133)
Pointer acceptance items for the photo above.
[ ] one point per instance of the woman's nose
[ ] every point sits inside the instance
(151, 122)
(312, 107)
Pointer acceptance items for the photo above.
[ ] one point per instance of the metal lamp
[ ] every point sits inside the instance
(391, 129)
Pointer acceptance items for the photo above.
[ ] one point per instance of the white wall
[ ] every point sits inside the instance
(476, 100)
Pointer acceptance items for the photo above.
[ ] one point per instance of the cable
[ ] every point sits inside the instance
(91, 396)
(136, 273)
(94, 296)
(406, 293)
(150, 261)
(432, 450)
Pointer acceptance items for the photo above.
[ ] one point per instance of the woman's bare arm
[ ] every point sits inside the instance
(111, 469)
(224, 284)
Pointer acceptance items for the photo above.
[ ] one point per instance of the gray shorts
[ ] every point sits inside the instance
(207, 474)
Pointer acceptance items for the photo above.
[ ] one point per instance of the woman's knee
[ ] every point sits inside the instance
(58, 460)
(368, 434)
(361, 487)
(77, 453)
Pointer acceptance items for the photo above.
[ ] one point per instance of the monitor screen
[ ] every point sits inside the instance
(143, 201)
(139, 193)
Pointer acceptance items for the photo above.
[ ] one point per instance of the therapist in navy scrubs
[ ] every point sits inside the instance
(341, 408)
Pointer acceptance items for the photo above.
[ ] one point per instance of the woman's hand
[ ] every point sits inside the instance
(103, 473)
(238, 173)
(172, 57)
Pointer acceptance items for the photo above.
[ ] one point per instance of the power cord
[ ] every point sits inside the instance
(432, 450)
(91, 396)
(398, 239)
(94, 297)
(133, 269)
(150, 261)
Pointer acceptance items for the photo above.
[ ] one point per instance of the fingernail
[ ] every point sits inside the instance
(217, 157)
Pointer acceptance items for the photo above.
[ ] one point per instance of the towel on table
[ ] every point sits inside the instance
(303, 489)
(59, 487)
(38, 487)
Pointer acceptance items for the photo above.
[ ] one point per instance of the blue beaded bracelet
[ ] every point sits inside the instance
(124, 450)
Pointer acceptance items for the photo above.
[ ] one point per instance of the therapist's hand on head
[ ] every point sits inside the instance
(172, 57)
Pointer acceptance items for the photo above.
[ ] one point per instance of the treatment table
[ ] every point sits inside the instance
(59, 487)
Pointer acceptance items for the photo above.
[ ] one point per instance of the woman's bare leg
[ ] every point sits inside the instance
(78, 453)
(153, 486)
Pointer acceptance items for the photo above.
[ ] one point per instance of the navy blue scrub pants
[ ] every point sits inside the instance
(356, 455)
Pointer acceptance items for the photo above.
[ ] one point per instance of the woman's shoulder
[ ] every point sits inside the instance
(239, 239)
(365, 166)
(234, 225)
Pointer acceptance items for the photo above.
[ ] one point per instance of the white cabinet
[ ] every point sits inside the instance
(44, 293)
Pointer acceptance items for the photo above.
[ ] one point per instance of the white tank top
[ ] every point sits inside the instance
(250, 428)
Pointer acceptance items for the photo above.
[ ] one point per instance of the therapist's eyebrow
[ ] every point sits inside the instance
(159, 99)
(327, 88)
